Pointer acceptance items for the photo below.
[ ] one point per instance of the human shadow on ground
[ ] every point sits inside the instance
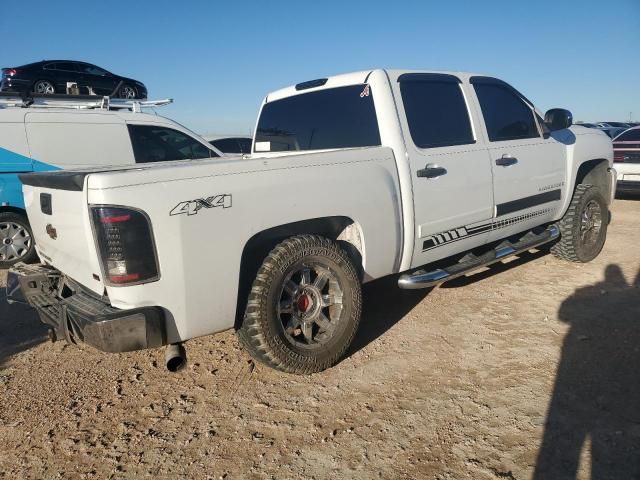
(20, 328)
(596, 395)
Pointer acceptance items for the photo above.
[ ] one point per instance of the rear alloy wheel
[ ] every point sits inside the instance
(16, 240)
(304, 307)
(44, 87)
(127, 92)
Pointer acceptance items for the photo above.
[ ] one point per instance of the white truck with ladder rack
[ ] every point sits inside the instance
(352, 178)
(53, 132)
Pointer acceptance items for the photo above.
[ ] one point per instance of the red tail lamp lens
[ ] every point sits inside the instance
(126, 246)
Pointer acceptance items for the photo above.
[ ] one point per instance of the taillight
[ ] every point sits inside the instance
(126, 246)
(9, 72)
(618, 156)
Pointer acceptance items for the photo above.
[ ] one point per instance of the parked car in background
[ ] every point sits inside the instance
(587, 125)
(52, 76)
(233, 144)
(626, 156)
(612, 131)
(44, 139)
(613, 124)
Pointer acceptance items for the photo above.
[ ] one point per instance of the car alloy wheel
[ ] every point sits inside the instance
(127, 92)
(44, 87)
(15, 241)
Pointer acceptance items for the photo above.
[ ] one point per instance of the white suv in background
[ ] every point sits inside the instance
(37, 139)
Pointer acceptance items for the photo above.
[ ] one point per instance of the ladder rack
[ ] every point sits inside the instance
(77, 102)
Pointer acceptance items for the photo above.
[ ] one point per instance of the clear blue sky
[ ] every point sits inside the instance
(219, 59)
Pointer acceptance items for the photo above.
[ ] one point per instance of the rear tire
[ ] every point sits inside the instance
(44, 87)
(304, 306)
(583, 229)
(127, 92)
(16, 240)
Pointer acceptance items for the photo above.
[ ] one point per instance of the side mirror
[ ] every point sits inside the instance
(558, 118)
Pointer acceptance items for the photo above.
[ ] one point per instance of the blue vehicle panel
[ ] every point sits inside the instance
(11, 164)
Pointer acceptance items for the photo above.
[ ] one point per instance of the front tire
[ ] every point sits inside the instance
(16, 240)
(304, 306)
(583, 229)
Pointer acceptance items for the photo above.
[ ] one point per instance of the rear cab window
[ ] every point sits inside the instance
(436, 110)
(153, 143)
(507, 116)
(340, 117)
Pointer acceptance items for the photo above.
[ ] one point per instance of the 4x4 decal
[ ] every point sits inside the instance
(192, 207)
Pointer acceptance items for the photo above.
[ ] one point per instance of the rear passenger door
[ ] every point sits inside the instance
(451, 173)
(528, 166)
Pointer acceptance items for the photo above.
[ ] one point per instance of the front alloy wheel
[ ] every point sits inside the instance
(583, 229)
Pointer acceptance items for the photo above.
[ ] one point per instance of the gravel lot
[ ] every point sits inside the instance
(526, 369)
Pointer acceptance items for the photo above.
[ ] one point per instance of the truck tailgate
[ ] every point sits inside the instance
(58, 213)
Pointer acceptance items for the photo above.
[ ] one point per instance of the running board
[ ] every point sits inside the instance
(424, 279)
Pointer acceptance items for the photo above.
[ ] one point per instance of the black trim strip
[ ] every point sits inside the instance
(72, 181)
(461, 233)
(495, 81)
(429, 243)
(311, 83)
(528, 202)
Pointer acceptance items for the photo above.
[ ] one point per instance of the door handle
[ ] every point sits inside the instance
(506, 161)
(431, 171)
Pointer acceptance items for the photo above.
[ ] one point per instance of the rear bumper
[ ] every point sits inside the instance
(79, 316)
(14, 85)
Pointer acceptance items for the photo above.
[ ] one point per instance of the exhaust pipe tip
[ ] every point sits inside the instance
(51, 333)
(175, 357)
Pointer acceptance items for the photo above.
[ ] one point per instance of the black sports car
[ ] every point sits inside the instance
(56, 76)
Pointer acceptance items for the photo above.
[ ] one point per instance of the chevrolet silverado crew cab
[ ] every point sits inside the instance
(53, 132)
(351, 178)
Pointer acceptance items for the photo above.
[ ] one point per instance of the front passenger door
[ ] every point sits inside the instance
(528, 169)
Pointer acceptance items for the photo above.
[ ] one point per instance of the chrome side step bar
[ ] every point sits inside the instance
(424, 279)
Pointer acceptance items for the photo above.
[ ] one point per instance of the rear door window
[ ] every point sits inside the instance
(161, 144)
(66, 66)
(506, 115)
(341, 117)
(436, 110)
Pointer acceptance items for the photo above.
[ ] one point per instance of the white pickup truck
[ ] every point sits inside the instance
(351, 178)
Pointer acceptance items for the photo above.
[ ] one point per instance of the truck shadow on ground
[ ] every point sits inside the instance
(384, 304)
(596, 397)
(20, 328)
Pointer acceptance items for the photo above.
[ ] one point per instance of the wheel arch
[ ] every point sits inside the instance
(16, 210)
(343, 229)
(595, 172)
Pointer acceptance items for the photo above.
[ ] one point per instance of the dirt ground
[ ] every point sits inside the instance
(525, 370)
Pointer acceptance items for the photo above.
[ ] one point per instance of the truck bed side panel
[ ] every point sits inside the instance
(200, 249)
